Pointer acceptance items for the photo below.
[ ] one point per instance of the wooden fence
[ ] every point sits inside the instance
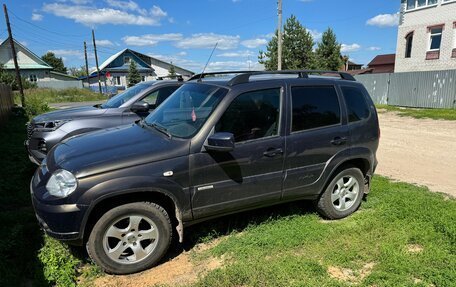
(6, 102)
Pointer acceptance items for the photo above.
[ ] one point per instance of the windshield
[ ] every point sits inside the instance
(187, 109)
(121, 98)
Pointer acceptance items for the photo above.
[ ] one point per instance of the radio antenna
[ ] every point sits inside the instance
(208, 60)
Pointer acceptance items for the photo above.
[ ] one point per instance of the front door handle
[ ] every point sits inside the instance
(272, 152)
(339, 141)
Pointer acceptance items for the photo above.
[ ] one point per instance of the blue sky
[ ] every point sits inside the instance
(184, 32)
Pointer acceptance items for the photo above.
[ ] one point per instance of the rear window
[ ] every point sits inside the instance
(357, 107)
(314, 107)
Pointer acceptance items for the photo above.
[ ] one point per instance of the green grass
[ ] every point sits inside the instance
(437, 114)
(28, 257)
(20, 237)
(290, 245)
(60, 96)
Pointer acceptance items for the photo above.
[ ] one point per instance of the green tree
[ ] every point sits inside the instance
(172, 71)
(297, 51)
(54, 62)
(133, 76)
(328, 52)
(77, 72)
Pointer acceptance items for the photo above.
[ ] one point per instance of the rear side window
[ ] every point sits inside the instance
(357, 108)
(314, 107)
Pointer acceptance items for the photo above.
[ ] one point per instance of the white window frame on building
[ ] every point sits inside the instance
(33, 78)
(117, 81)
(435, 32)
(143, 78)
(418, 4)
(127, 60)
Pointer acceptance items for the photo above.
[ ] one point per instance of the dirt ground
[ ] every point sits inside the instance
(419, 151)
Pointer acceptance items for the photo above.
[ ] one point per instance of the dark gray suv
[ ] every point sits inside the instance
(214, 147)
(46, 130)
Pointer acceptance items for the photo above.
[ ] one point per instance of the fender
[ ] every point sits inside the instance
(134, 184)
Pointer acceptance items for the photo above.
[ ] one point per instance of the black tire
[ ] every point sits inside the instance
(147, 215)
(325, 205)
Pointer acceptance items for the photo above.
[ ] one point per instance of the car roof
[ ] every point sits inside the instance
(230, 79)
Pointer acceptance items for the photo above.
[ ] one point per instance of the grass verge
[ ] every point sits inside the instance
(60, 96)
(403, 235)
(436, 114)
(28, 257)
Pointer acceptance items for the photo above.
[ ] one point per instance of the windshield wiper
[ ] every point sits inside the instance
(159, 128)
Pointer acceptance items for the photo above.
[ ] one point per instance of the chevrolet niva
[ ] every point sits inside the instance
(218, 145)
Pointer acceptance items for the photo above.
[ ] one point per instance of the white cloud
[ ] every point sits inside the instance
(63, 53)
(243, 54)
(157, 12)
(208, 40)
(104, 43)
(151, 39)
(374, 48)
(350, 47)
(384, 20)
(90, 16)
(254, 43)
(126, 5)
(37, 17)
(233, 65)
(315, 34)
(182, 53)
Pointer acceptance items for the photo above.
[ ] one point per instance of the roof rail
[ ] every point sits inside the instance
(203, 75)
(245, 77)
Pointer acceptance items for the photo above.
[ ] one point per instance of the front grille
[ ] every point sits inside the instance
(29, 130)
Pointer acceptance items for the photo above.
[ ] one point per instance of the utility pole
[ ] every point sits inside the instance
(13, 50)
(86, 63)
(279, 36)
(96, 61)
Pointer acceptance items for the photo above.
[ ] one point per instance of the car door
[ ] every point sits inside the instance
(154, 98)
(318, 134)
(252, 173)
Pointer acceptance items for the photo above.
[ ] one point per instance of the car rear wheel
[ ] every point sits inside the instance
(130, 238)
(343, 194)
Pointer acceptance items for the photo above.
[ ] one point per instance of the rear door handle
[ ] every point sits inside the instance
(339, 141)
(272, 152)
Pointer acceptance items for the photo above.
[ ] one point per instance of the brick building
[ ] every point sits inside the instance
(427, 36)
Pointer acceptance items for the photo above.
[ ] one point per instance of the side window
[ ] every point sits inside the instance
(252, 115)
(151, 98)
(357, 108)
(314, 107)
(158, 96)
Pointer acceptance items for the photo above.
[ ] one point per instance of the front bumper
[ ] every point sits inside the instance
(61, 221)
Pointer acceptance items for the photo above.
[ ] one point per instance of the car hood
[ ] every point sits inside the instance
(114, 148)
(69, 114)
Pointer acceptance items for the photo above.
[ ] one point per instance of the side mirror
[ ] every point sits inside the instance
(140, 107)
(221, 142)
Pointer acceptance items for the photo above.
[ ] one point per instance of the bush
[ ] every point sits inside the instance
(59, 265)
(35, 106)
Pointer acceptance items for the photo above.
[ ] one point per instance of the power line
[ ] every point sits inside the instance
(45, 29)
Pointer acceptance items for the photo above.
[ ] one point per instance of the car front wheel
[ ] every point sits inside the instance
(343, 194)
(130, 238)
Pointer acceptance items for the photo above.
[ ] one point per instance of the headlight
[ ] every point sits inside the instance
(62, 183)
(51, 125)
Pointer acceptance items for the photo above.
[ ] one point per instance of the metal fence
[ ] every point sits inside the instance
(6, 102)
(436, 89)
(60, 85)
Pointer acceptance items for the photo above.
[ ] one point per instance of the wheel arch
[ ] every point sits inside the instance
(102, 205)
